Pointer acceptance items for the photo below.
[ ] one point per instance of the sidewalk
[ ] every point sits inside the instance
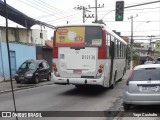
(5, 86)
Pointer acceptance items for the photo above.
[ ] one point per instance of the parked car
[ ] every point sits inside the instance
(143, 86)
(33, 71)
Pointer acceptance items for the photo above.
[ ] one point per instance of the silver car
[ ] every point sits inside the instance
(143, 86)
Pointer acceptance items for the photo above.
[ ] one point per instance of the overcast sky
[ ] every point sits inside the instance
(58, 12)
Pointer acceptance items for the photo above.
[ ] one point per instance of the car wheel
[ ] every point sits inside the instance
(49, 77)
(126, 106)
(36, 80)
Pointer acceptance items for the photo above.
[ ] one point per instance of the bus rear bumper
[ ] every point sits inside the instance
(80, 81)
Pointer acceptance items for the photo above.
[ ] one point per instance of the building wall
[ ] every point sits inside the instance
(22, 53)
(36, 36)
(24, 35)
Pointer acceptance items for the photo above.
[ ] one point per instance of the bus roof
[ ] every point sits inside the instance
(83, 24)
(115, 35)
(96, 24)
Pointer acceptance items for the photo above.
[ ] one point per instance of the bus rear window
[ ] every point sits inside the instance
(89, 36)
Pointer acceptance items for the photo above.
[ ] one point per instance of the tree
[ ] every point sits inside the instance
(135, 55)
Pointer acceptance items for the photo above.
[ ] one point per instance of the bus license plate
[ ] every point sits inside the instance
(77, 71)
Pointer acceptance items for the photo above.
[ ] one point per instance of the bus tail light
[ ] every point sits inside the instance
(56, 73)
(55, 69)
(100, 70)
(101, 66)
(54, 65)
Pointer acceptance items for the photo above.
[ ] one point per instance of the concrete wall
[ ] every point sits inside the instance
(24, 35)
(22, 53)
(36, 36)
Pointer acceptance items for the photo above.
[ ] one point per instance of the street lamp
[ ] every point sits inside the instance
(140, 25)
(132, 41)
(131, 17)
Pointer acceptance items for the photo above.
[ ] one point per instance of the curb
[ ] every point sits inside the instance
(16, 89)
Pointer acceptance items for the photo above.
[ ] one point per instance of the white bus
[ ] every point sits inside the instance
(88, 54)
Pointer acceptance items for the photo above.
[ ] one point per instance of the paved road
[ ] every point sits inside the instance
(66, 98)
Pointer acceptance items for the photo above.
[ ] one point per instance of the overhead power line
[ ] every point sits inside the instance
(85, 2)
(133, 6)
(64, 17)
(129, 21)
(48, 6)
(142, 4)
(134, 9)
(48, 10)
(58, 18)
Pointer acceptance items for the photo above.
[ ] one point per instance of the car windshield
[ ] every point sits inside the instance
(146, 74)
(28, 65)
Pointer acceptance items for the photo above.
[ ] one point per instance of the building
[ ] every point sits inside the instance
(18, 53)
(145, 51)
(23, 35)
(24, 44)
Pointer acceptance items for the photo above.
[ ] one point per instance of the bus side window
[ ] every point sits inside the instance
(115, 48)
(118, 49)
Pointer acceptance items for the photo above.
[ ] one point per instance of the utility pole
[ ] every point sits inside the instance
(131, 42)
(96, 10)
(149, 48)
(84, 10)
(96, 14)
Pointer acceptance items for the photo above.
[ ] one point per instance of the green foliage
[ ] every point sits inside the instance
(135, 55)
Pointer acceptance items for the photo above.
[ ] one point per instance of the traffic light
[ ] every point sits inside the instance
(119, 10)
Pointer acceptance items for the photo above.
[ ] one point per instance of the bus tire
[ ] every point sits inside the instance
(114, 82)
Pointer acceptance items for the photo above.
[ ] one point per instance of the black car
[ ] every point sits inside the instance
(33, 71)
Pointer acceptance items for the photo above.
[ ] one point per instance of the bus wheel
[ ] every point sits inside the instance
(114, 82)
